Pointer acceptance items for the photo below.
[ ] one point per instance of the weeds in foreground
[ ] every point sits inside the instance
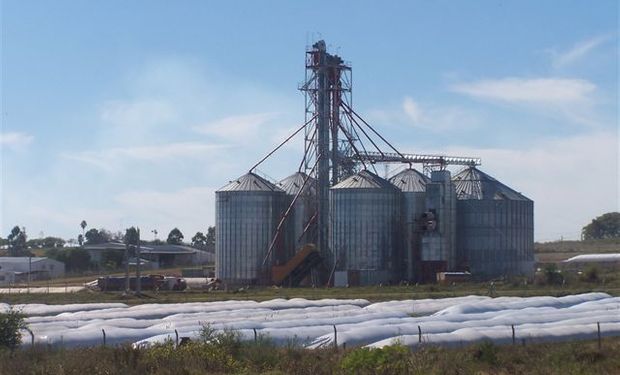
(226, 354)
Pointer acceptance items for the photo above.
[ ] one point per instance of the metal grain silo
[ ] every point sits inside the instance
(439, 238)
(495, 226)
(297, 230)
(247, 212)
(413, 186)
(364, 229)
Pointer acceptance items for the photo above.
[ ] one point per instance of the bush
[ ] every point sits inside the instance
(394, 359)
(553, 275)
(591, 274)
(10, 323)
(486, 352)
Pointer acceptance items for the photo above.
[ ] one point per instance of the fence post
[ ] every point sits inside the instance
(513, 334)
(176, 334)
(255, 335)
(104, 338)
(598, 334)
(335, 337)
(419, 334)
(31, 336)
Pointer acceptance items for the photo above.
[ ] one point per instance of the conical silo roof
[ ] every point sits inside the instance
(250, 182)
(472, 183)
(364, 180)
(293, 184)
(410, 180)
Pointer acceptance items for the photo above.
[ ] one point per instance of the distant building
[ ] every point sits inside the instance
(162, 256)
(16, 269)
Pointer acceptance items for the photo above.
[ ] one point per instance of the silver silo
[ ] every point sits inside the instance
(495, 232)
(247, 212)
(439, 238)
(298, 232)
(413, 185)
(364, 229)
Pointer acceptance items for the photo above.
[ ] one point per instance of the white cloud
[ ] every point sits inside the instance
(238, 127)
(529, 91)
(427, 116)
(141, 112)
(15, 140)
(578, 51)
(412, 109)
(571, 180)
(107, 158)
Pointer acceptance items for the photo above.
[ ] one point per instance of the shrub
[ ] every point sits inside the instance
(393, 359)
(591, 274)
(10, 323)
(486, 352)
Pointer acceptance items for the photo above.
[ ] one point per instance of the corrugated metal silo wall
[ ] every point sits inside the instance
(298, 219)
(496, 237)
(413, 206)
(440, 245)
(245, 225)
(365, 232)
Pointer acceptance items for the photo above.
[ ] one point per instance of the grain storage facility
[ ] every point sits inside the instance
(247, 212)
(364, 230)
(413, 186)
(300, 191)
(495, 226)
(335, 222)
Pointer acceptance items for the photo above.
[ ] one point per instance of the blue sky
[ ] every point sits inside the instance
(134, 113)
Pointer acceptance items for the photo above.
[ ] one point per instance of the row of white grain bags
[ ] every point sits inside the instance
(75, 330)
(597, 307)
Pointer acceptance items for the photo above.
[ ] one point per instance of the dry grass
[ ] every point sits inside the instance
(264, 358)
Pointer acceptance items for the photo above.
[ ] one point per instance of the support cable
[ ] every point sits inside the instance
(307, 151)
(364, 147)
(283, 143)
(352, 144)
(373, 130)
(288, 210)
(353, 121)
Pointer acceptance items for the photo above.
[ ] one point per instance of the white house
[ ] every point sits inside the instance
(16, 269)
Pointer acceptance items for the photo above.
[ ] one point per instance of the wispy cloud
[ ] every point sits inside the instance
(427, 116)
(238, 127)
(107, 158)
(568, 99)
(528, 91)
(578, 51)
(15, 140)
(142, 112)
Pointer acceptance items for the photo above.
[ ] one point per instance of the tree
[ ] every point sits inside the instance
(83, 225)
(11, 322)
(94, 236)
(80, 240)
(75, 260)
(210, 239)
(604, 226)
(175, 237)
(199, 240)
(131, 236)
(17, 241)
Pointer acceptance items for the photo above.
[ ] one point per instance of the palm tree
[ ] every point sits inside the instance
(83, 224)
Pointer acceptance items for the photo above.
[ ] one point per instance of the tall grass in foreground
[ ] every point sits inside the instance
(228, 355)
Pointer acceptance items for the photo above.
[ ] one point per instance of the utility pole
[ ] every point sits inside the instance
(127, 289)
(138, 261)
(29, 271)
